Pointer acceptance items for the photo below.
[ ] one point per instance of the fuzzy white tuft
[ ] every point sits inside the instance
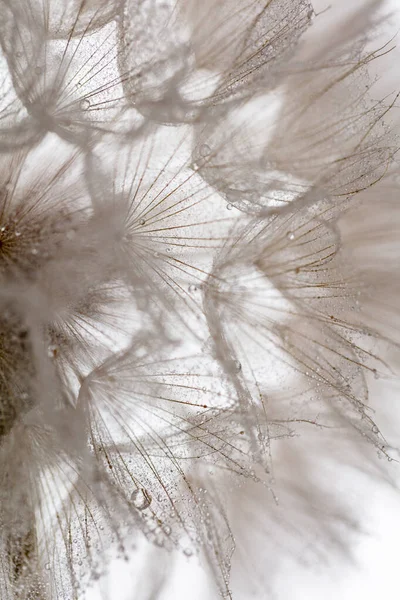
(199, 238)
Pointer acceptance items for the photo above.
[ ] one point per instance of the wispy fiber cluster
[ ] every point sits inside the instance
(199, 241)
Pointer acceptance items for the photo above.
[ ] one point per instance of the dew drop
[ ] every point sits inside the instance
(290, 235)
(229, 206)
(375, 429)
(188, 552)
(142, 222)
(47, 566)
(204, 150)
(85, 104)
(141, 499)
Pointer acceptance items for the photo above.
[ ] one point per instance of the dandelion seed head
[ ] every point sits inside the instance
(198, 248)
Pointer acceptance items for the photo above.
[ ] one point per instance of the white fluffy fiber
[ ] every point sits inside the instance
(199, 293)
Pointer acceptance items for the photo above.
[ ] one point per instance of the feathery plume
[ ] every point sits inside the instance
(198, 256)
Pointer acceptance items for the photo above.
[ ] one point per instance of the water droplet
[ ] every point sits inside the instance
(47, 566)
(85, 104)
(142, 222)
(229, 206)
(238, 366)
(192, 288)
(376, 374)
(188, 552)
(290, 235)
(141, 499)
(375, 429)
(17, 233)
(195, 167)
(204, 150)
